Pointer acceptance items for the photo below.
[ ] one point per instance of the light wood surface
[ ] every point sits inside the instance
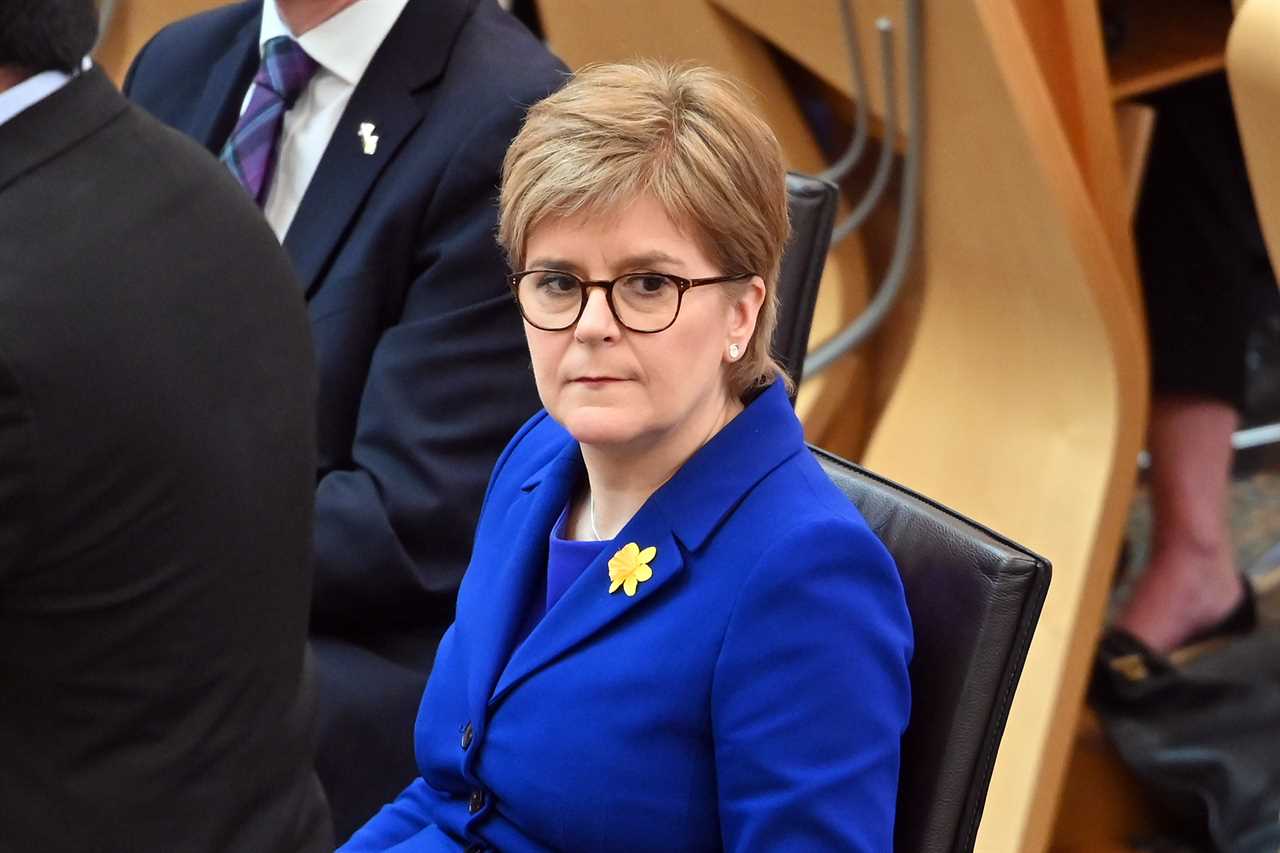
(1253, 71)
(1066, 39)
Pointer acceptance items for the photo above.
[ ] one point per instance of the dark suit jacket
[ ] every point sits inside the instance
(156, 457)
(424, 374)
(750, 696)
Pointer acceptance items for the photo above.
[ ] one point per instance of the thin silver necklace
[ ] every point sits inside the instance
(591, 505)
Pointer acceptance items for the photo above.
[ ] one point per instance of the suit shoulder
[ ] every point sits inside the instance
(535, 444)
(498, 62)
(800, 490)
(180, 55)
(203, 35)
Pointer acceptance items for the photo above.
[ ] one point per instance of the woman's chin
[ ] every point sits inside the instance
(600, 427)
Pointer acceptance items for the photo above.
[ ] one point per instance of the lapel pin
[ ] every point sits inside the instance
(366, 134)
(630, 567)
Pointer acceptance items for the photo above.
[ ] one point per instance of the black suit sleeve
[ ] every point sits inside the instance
(16, 494)
(447, 387)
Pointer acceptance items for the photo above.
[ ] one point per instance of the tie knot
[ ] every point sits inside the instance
(286, 69)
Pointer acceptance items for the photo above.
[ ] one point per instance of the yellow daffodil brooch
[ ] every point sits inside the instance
(630, 567)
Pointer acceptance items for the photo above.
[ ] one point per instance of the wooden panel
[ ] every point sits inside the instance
(1022, 398)
(583, 31)
(1253, 70)
(1136, 123)
(1168, 41)
(1066, 36)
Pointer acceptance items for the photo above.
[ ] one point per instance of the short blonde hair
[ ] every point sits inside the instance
(688, 137)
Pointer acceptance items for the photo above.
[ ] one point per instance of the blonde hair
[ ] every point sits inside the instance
(686, 136)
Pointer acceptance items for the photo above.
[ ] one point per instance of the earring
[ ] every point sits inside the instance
(734, 352)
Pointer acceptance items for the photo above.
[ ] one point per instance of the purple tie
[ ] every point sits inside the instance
(250, 152)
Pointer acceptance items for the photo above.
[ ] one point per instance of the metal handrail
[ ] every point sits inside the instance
(845, 163)
(862, 326)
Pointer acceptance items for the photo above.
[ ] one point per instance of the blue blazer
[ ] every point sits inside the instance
(423, 369)
(750, 696)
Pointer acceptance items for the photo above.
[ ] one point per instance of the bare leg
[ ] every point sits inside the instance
(1191, 582)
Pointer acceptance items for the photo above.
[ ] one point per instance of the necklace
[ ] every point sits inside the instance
(591, 505)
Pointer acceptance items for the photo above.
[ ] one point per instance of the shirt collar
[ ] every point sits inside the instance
(345, 44)
(30, 92)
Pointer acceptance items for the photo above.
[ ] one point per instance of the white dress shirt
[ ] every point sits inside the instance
(343, 47)
(30, 92)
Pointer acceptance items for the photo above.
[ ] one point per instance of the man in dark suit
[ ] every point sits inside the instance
(389, 121)
(156, 462)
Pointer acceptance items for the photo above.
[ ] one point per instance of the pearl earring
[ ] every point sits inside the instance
(734, 352)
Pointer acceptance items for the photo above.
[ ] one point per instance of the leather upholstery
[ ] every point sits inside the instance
(975, 598)
(812, 203)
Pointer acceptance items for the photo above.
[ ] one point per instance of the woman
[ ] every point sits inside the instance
(675, 633)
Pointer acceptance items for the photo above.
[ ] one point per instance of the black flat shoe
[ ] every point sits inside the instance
(1243, 619)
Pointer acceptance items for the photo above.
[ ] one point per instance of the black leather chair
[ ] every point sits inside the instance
(974, 599)
(812, 204)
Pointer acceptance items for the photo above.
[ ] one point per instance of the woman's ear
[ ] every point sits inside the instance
(744, 310)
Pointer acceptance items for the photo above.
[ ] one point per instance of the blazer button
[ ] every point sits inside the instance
(477, 801)
(475, 848)
(468, 734)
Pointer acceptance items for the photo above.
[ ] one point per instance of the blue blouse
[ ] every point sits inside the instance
(567, 559)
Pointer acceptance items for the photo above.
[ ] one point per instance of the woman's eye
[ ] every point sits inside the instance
(648, 285)
(559, 284)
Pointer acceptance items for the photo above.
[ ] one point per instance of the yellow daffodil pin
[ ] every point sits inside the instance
(630, 567)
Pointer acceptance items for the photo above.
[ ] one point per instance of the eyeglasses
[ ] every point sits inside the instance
(645, 302)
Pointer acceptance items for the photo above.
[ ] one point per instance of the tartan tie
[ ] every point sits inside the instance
(250, 152)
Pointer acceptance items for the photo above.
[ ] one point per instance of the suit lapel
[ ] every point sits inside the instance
(411, 57)
(676, 520)
(346, 173)
(588, 607)
(507, 574)
(218, 109)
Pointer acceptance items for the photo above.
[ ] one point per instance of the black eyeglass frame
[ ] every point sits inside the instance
(682, 284)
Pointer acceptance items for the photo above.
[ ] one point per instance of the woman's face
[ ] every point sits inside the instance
(614, 388)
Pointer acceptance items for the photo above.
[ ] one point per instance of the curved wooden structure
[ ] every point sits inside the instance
(1021, 399)
(1253, 70)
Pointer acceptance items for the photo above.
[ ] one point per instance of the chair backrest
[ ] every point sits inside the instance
(812, 204)
(974, 598)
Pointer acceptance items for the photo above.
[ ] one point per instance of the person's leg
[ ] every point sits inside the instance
(1191, 582)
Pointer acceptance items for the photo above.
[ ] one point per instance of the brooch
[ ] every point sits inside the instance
(630, 567)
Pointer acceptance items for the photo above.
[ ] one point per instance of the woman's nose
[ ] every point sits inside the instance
(597, 321)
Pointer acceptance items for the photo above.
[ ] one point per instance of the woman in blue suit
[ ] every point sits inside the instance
(675, 633)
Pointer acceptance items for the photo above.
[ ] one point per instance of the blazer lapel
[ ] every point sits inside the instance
(218, 109)
(411, 57)
(676, 520)
(507, 574)
(588, 607)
